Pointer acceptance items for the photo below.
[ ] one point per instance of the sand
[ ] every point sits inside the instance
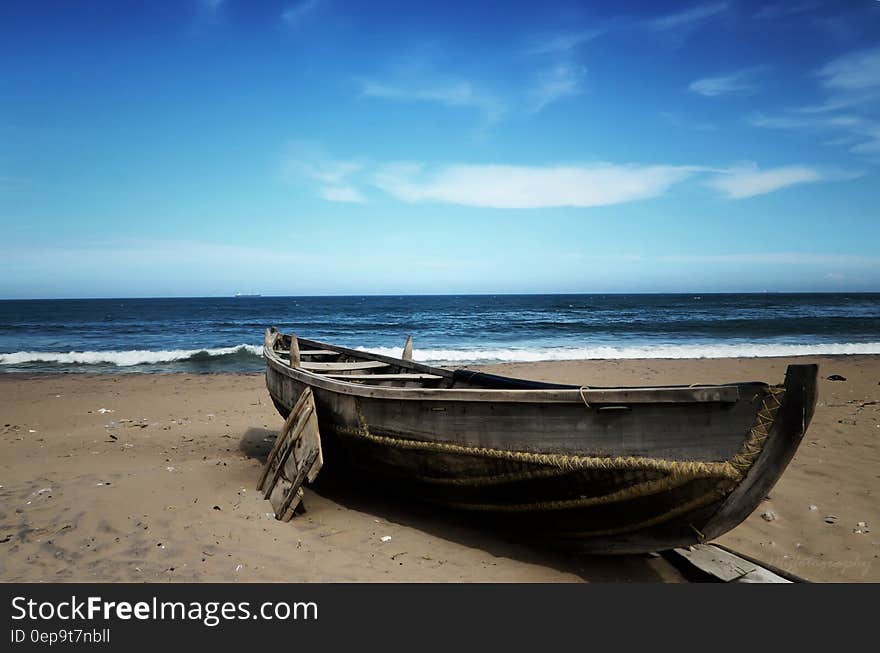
(159, 487)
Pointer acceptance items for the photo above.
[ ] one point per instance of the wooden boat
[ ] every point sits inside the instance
(611, 470)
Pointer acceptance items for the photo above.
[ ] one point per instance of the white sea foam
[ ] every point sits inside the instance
(126, 358)
(131, 358)
(709, 350)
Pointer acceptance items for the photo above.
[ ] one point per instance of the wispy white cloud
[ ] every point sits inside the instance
(748, 180)
(309, 161)
(146, 252)
(838, 102)
(848, 114)
(208, 13)
(341, 194)
(688, 17)
(870, 146)
(846, 27)
(528, 187)
(859, 134)
(558, 82)
(459, 93)
(856, 71)
(294, 14)
(678, 121)
(564, 42)
(738, 83)
(783, 9)
(779, 121)
(561, 42)
(787, 258)
(326, 171)
(505, 186)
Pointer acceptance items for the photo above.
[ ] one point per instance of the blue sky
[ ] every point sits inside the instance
(322, 147)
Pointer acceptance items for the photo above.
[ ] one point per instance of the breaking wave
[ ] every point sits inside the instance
(129, 358)
(248, 357)
(709, 350)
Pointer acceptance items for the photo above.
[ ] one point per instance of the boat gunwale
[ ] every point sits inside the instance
(676, 394)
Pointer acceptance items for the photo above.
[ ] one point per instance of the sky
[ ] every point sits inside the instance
(208, 147)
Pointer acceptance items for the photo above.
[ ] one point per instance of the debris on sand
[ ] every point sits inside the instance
(768, 515)
(836, 377)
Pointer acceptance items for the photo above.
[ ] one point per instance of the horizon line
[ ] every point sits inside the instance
(461, 294)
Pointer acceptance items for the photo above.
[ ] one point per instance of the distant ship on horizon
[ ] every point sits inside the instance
(242, 295)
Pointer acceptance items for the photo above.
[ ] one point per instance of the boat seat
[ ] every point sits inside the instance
(342, 367)
(385, 377)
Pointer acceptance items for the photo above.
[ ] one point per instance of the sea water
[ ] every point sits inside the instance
(225, 334)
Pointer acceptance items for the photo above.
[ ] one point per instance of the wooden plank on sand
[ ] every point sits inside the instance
(295, 458)
(726, 566)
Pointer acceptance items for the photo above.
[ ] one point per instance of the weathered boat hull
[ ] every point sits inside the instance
(614, 477)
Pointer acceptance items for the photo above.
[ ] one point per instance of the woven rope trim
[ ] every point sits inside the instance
(634, 491)
(564, 463)
(764, 419)
(677, 472)
(497, 479)
(733, 469)
(678, 511)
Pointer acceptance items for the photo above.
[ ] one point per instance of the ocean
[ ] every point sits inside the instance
(225, 334)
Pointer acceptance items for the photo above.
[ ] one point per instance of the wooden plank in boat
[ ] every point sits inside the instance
(361, 354)
(342, 367)
(295, 458)
(638, 395)
(312, 352)
(385, 377)
(673, 395)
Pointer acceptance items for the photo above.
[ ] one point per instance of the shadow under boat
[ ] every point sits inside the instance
(347, 491)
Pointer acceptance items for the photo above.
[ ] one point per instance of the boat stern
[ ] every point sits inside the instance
(792, 419)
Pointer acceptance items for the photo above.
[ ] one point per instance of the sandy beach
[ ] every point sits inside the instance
(150, 477)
